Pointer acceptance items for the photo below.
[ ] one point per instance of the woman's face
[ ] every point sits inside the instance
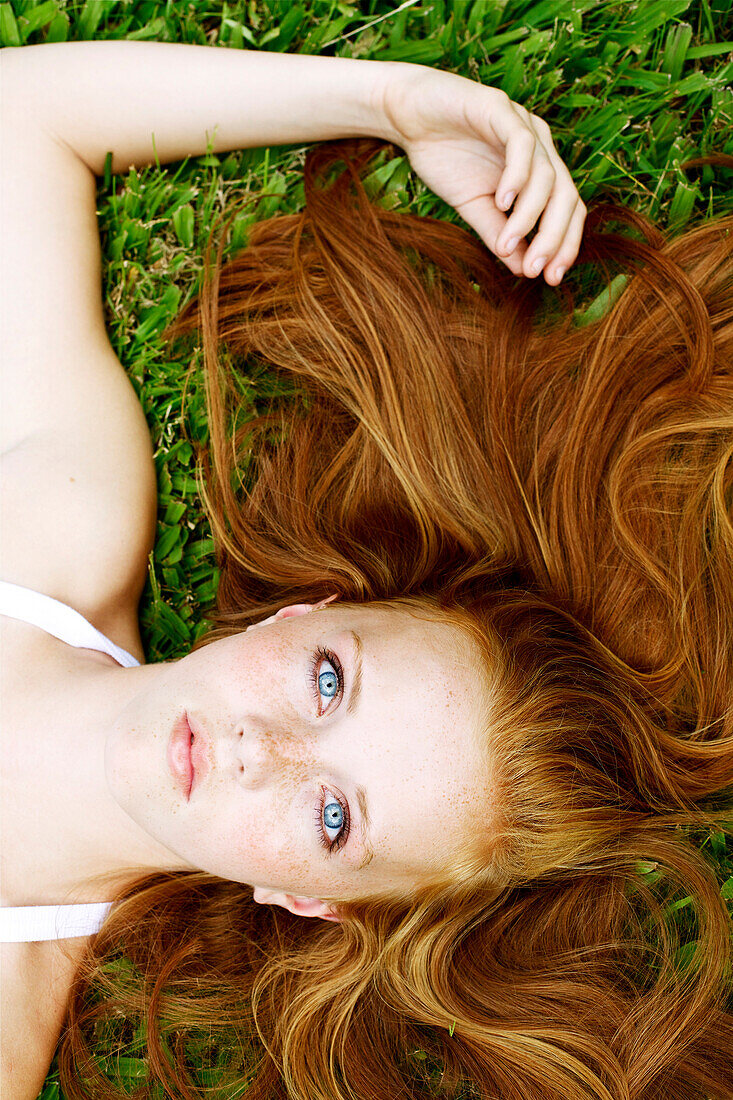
(338, 752)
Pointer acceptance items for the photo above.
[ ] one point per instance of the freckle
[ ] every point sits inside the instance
(72, 479)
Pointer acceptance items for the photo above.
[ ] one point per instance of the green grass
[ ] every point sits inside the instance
(631, 90)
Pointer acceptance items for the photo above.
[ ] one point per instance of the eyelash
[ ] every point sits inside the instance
(332, 846)
(322, 654)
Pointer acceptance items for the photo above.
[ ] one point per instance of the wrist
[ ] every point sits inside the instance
(387, 78)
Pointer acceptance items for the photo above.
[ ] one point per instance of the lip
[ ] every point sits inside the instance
(200, 752)
(179, 756)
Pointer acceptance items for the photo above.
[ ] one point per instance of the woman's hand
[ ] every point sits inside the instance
(479, 151)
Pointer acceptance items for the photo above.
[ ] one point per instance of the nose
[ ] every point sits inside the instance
(263, 754)
(250, 761)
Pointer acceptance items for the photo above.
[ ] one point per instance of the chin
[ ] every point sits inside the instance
(127, 781)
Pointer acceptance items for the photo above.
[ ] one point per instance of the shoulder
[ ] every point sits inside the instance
(77, 475)
(78, 526)
(35, 979)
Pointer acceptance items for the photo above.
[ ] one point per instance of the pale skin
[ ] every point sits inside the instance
(83, 740)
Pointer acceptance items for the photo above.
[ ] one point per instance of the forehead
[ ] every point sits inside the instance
(413, 632)
(437, 665)
(433, 664)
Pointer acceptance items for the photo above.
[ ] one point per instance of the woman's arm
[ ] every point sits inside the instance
(64, 106)
(77, 467)
(78, 484)
(470, 143)
(146, 99)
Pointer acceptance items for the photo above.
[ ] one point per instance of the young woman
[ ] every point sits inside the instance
(447, 735)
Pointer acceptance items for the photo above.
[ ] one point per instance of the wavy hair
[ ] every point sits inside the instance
(562, 492)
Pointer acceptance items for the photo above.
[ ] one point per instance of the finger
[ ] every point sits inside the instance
(514, 260)
(568, 252)
(483, 217)
(531, 202)
(512, 129)
(519, 153)
(557, 216)
(552, 229)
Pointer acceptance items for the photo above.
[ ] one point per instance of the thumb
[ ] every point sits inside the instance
(484, 217)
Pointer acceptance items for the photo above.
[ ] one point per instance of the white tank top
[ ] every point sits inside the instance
(30, 923)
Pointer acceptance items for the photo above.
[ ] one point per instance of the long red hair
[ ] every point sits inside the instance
(563, 492)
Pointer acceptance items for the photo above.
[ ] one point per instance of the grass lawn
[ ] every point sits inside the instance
(631, 89)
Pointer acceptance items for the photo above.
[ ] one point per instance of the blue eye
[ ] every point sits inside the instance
(327, 678)
(332, 817)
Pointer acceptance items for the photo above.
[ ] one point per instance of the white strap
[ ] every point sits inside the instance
(30, 923)
(58, 619)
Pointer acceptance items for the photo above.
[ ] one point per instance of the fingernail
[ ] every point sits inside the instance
(537, 265)
(511, 244)
(560, 271)
(508, 199)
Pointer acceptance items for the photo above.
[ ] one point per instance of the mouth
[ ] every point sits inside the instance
(179, 756)
(200, 752)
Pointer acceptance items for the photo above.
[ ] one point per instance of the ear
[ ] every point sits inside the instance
(302, 907)
(293, 610)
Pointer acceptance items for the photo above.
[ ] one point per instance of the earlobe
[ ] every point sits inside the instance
(266, 897)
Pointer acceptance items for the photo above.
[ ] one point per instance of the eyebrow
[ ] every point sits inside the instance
(361, 798)
(356, 682)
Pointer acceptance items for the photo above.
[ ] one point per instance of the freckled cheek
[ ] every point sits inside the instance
(263, 840)
(246, 671)
(267, 863)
